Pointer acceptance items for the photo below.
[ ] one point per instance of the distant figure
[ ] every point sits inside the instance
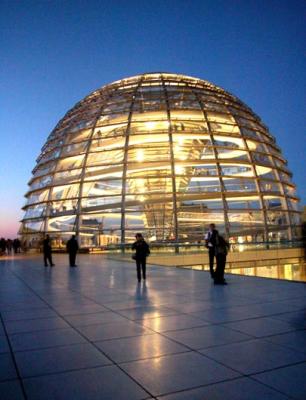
(210, 242)
(72, 248)
(9, 246)
(24, 246)
(47, 250)
(221, 249)
(142, 252)
(304, 238)
(2, 245)
(16, 245)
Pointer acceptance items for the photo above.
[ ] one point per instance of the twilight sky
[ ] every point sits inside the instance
(55, 52)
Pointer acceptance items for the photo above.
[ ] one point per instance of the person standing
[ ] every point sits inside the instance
(210, 242)
(221, 249)
(18, 245)
(9, 246)
(15, 246)
(142, 251)
(2, 245)
(47, 250)
(72, 248)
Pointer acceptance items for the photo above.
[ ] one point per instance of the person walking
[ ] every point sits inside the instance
(72, 248)
(142, 251)
(210, 242)
(221, 249)
(47, 251)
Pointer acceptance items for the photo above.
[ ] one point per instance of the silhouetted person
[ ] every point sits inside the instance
(141, 254)
(9, 246)
(16, 245)
(304, 238)
(47, 250)
(210, 242)
(24, 246)
(72, 248)
(221, 249)
(2, 245)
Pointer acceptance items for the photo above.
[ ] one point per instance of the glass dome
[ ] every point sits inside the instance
(165, 155)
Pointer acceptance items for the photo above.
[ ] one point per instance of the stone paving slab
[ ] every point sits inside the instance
(93, 332)
(11, 390)
(59, 359)
(289, 380)
(237, 389)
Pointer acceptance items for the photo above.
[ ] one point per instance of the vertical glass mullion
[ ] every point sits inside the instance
(173, 175)
(125, 163)
(225, 208)
(288, 215)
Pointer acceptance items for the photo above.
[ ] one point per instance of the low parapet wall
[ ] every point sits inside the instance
(256, 256)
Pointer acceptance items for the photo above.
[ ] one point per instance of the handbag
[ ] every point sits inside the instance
(134, 257)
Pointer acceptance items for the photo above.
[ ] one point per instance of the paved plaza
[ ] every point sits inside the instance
(94, 333)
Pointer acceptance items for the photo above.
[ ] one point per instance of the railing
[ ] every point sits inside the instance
(200, 247)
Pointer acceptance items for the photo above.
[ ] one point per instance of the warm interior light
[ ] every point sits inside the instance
(150, 125)
(140, 155)
(179, 169)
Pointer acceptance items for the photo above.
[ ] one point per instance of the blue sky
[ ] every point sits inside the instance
(53, 53)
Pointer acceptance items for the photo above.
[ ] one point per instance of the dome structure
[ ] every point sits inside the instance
(165, 155)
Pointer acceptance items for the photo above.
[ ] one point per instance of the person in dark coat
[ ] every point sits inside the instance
(210, 242)
(2, 245)
(72, 248)
(304, 238)
(221, 249)
(142, 251)
(16, 245)
(9, 246)
(47, 251)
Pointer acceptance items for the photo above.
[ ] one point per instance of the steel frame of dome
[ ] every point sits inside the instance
(163, 154)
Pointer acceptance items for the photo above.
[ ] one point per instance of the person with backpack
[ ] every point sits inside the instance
(221, 250)
(140, 256)
(210, 243)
